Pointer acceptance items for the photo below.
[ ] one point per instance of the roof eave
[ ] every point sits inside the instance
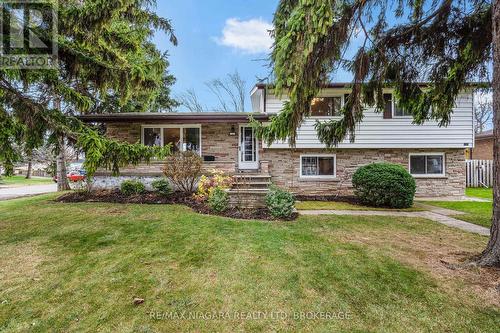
(171, 118)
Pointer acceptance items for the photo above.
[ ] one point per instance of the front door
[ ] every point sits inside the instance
(248, 149)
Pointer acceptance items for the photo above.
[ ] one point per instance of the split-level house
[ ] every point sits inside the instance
(433, 155)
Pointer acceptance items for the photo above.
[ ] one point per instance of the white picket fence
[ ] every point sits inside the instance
(479, 173)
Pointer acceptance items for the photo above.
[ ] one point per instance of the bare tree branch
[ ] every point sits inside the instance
(483, 111)
(230, 91)
(190, 101)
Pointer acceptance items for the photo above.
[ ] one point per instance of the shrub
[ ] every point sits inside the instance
(183, 169)
(131, 187)
(384, 184)
(280, 202)
(208, 184)
(218, 200)
(162, 186)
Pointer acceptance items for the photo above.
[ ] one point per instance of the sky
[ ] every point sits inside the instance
(217, 37)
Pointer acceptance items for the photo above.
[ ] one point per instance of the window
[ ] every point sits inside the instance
(185, 138)
(321, 166)
(427, 164)
(326, 106)
(172, 136)
(191, 140)
(392, 107)
(152, 137)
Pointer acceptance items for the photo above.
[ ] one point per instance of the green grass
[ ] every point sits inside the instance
(479, 213)
(335, 205)
(77, 267)
(483, 193)
(21, 180)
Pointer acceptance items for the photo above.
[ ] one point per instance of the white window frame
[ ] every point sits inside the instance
(342, 103)
(428, 175)
(393, 108)
(334, 176)
(179, 126)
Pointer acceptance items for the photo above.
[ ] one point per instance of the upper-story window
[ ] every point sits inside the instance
(392, 108)
(326, 106)
(184, 138)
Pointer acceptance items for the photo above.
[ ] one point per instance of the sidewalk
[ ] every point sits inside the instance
(7, 193)
(437, 215)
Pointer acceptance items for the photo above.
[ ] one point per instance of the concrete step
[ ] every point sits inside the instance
(257, 182)
(248, 191)
(252, 176)
(250, 185)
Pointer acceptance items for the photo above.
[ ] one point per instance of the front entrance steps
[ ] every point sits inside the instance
(249, 190)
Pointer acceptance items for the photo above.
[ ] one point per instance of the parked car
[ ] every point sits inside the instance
(73, 176)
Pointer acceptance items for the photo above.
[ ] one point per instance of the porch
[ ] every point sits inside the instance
(225, 141)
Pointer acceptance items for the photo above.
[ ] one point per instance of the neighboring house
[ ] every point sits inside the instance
(483, 147)
(434, 155)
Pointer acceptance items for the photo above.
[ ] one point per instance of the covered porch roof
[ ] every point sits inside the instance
(173, 117)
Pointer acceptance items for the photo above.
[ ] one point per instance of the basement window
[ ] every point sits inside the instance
(427, 165)
(317, 166)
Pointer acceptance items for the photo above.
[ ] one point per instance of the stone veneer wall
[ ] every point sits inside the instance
(125, 132)
(284, 165)
(215, 141)
(215, 138)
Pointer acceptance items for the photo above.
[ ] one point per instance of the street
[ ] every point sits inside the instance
(17, 192)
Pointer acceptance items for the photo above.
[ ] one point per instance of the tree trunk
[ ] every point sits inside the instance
(62, 180)
(491, 255)
(28, 173)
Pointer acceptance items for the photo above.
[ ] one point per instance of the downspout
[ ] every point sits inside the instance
(265, 98)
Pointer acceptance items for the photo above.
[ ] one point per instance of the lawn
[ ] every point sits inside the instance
(335, 205)
(21, 181)
(479, 213)
(78, 267)
(476, 192)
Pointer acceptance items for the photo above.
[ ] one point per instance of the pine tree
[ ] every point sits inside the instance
(445, 43)
(106, 63)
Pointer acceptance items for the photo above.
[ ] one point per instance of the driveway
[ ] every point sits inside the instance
(23, 191)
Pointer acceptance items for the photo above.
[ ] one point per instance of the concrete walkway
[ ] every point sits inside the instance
(463, 198)
(7, 193)
(437, 215)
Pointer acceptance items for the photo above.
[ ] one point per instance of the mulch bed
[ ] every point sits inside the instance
(152, 198)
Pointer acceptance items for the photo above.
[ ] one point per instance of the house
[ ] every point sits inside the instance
(483, 147)
(433, 155)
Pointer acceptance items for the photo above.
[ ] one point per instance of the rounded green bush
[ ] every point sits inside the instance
(280, 202)
(384, 185)
(162, 186)
(131, 187)
(218, 200)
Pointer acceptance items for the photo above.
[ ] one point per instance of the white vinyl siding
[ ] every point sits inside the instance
(273, 104)
(398, 132)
